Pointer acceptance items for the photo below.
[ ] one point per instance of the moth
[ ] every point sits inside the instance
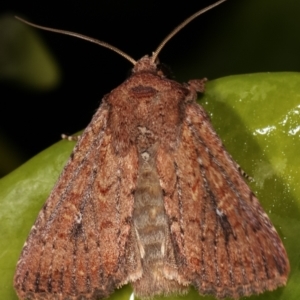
(150, 197)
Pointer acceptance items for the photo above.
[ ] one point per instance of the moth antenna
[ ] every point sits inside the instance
(182, 25)
(81, 36)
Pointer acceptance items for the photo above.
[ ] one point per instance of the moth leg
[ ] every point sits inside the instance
(243, 173)
(70, 137)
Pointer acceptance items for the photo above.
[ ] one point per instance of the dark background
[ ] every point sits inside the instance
(239, 36)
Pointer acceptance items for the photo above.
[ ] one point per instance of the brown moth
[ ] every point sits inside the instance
(150, 197)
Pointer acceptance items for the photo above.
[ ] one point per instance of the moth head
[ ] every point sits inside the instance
(145, 64)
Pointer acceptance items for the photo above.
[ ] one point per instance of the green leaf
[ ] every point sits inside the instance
(257, 117)
(24, 58)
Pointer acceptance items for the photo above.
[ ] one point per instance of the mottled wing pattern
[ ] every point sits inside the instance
(224, 242)
(83, 232)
